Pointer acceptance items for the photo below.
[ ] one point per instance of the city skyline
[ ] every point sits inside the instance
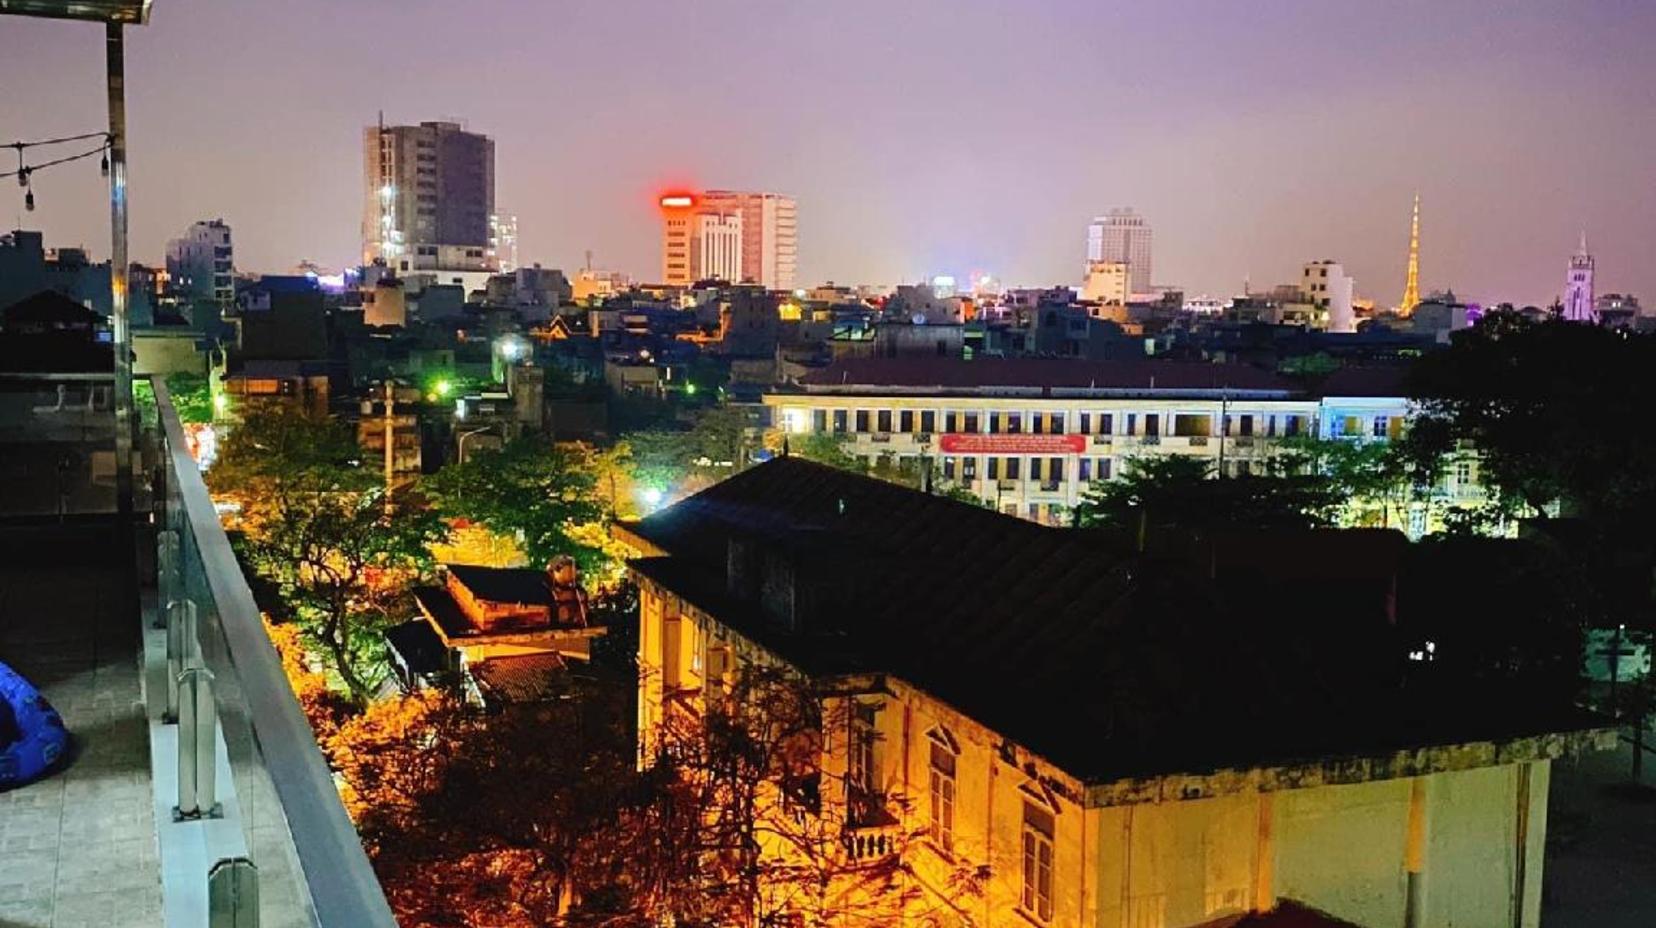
(968, 167)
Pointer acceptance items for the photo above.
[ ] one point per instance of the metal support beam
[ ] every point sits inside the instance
(115, 56)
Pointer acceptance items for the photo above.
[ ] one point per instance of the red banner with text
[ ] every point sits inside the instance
(965, 443)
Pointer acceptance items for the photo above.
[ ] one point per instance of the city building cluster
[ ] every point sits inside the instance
(1179, 728)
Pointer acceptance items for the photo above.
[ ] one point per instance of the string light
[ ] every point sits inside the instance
(25, 171)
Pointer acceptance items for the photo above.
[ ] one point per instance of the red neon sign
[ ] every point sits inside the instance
(678, 201)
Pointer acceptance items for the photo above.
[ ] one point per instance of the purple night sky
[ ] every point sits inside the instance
(920, 137)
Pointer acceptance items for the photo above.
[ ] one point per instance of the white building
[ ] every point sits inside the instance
(716, 246)
(201, 265)
(503, 242)
(1123, 235)
(1028, 435)
(1325, 285)
(1578, 287)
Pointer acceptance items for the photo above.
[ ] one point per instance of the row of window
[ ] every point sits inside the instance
(862, 421)
(1039, 469)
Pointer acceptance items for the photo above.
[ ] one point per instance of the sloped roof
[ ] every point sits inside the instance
(1365, 381)
(1112, 665)
(1290, 914)
(504, 584)
(421, 651)
(1129, 376)
(48, 306)
(520, 678)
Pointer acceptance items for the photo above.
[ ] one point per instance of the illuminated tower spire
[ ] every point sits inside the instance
(1578, 286)
(1411, 289)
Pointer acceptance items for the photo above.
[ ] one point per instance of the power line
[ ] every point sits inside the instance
(68, 138)
(25, 172)
(30, 169)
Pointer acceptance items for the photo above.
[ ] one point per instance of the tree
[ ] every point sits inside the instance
(1179, 492)
(320, 530)
(533, 490)
(1552, 409)
(192, 397)
(755, 821)
(680, 461)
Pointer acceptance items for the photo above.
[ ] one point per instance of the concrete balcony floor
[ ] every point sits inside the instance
(78, 848)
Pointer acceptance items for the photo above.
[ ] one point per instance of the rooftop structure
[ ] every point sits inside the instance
(1231, 728)
(509, 631)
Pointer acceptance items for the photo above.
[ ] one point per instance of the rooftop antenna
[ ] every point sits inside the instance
(589, 260)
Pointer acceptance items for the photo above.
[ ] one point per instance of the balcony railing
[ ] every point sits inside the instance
(258, 815)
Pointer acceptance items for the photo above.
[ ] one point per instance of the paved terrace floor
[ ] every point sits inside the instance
(77, 848)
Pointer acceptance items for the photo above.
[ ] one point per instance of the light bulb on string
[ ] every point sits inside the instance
(103, 166)
(28, 200)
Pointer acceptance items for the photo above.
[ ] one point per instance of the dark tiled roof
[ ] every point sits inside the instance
(437, 603)
(520, 678)
(1112, 665)
(1136, 375)
(1365, 381)
(48, 306)
(420, 649)
(504, 584)
(1291, 914)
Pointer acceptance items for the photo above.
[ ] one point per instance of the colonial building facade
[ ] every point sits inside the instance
(1027, 436)
(1001, 735)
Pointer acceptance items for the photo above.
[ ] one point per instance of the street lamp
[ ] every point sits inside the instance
(460, 442)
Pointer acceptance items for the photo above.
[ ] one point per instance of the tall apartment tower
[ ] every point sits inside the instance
(428, 198)
(696, 232)
(1123, 236)
(1325, 285)
(201, 264)
(1578, 286)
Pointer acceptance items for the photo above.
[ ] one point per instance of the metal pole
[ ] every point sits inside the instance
(116, 59)
(390, 439)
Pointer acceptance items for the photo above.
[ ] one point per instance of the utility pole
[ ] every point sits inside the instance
(390, 436)
(1224, 427)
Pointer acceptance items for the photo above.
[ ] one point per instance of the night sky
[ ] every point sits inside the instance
(919, 137)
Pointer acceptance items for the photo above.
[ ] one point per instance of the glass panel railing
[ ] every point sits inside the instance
(57, 446)
(308, 864)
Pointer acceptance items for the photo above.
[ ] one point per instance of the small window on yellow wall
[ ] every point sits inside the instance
(1038, 826)
(942, 797)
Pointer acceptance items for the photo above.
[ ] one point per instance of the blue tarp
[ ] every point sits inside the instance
(32, 736)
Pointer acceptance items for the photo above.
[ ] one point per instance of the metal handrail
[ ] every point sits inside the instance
(343, 889)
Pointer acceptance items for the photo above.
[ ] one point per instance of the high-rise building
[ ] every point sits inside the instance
(1123, 236)
(201, 264)
(1325, 285)
(428, 198)
(1578, 286)
(765, 223)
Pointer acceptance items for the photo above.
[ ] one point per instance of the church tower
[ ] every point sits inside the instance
(1411, 287)
(1578, 287)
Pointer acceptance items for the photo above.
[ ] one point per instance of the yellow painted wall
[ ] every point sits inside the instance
(1151, 865)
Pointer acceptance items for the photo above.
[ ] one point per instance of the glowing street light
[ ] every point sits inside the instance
(652, 497)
